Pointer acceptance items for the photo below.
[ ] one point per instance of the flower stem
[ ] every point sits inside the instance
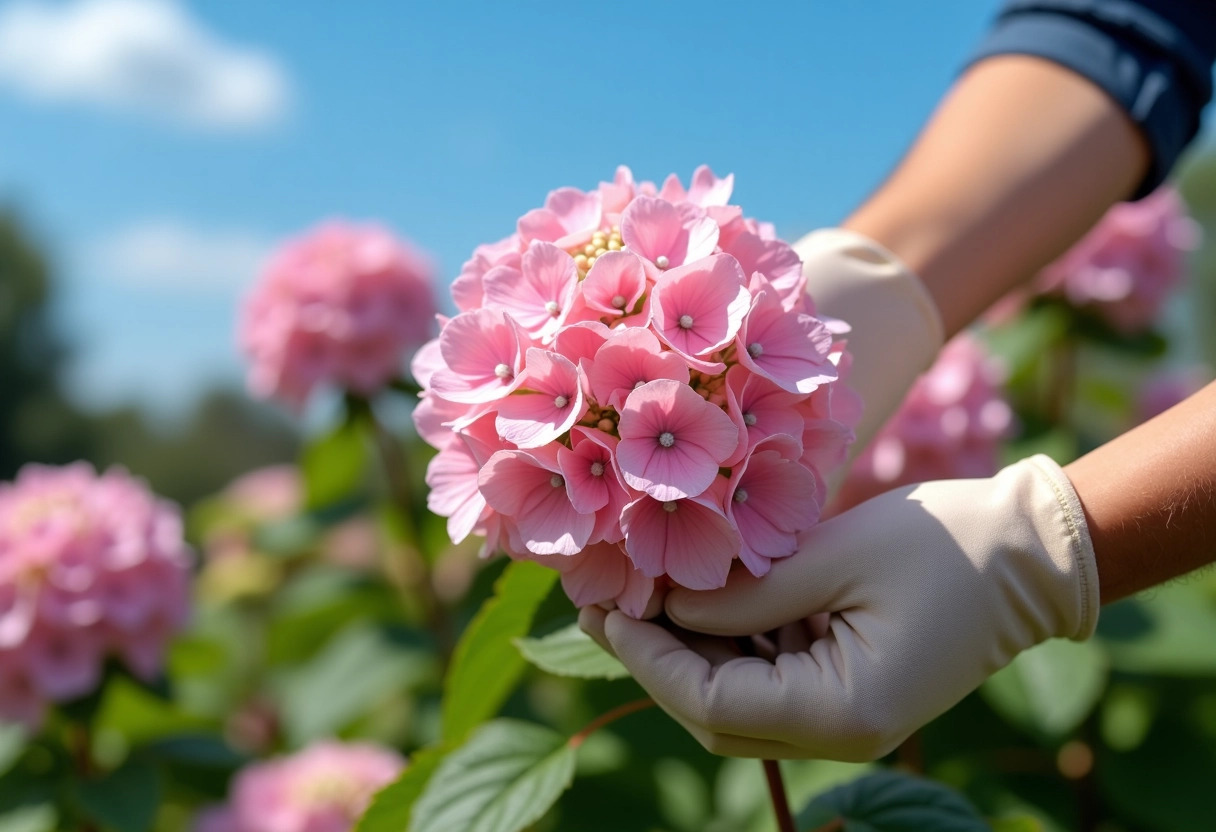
(776, 790)
(609, 717)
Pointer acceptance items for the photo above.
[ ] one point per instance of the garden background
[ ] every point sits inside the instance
(153, 156)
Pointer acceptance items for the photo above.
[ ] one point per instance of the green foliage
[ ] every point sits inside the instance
(125, 800)
(1050, 689)
(486, 664)
(887, 801)
(333, 465)
(393, 806)
(505, 777)
(571, 652)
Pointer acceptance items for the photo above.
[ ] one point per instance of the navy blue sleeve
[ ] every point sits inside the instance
(1153, 57)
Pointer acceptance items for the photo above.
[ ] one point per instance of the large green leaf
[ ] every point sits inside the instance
(571, 652)
(393, 806)
(125, 800)
(1051, 688)
(887, 801)
(358, 668)
(13, 739)
(504, 778)
(486, 664)
(333, 464)
(1166, 632)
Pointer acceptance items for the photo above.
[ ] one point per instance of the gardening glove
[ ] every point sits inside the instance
(931, 588)
(896, 330)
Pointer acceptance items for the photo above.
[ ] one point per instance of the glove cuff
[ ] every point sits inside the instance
(896, 330)
(1067, 572)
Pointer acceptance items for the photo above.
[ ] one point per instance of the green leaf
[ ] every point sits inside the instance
(39, 817)
(1017, 823)
(201, 750)
(392, 806)
(1050, 689)
(1165, 632)
(887, 801)
(571, 652)
(13, 739)
(486, 665)
(504, 778)
(333, 464)
(361, 666)
(125, 800)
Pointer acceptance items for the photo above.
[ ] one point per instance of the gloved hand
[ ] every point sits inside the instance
(897, 331)
(931, 588)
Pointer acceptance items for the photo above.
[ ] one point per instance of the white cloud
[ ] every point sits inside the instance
(144, 56)
(169, 255)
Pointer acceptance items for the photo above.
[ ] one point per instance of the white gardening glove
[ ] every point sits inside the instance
(896, 330)
(931, 588)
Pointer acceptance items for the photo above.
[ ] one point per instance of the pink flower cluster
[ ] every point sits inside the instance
(636, 387)
(949, 426)
(324, 788)
(342, 305)
(90, 566)
(1125, 268)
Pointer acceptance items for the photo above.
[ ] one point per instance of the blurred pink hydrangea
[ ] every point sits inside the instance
(90, 566)
(949, 426)
(324, 788)
(342, 305)
(1126, 266)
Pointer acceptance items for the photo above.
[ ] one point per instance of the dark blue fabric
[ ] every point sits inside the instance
(1153, 57)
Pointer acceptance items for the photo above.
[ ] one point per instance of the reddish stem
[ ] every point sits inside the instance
(776, 790)
(608, 717)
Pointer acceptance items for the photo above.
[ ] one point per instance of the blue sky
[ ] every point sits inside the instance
(159, 150)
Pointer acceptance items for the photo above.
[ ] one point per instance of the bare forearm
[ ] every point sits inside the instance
(1150, 498)
(1020, 159)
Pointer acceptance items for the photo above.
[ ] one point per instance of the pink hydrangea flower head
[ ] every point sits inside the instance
(789, 349)
(1126, 267)
(90, 566)
(603, 573)
(697, 308)
(484, 354)
(691, 540)
(342, 305)
(667, 234)
(672, 440)
(629, 359)
(770, 499)
(568, 219)
(949, 426)
(615, 283)
(324, 788)
(528, 487)
(547, 403)
(538, 294)
(760, 409)
(615, 377)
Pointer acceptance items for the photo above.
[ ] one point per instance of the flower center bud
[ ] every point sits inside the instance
(552, 308)
(601, 243)
(597, 469)
(556, 481)
(618, 301)
(686, 322)
(740, 495)
(667, 439)
(750, 419)
(502, 371)
(755, 349)
(661, 261)
(670, 506)
(606, 425)
(639, 383)
(560, 401)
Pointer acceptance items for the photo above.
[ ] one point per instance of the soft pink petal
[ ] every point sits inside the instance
(546, 404)
(596, 574)
(708, 295)
(615, 284)
(693, 542)
(790, 349)
(629, 358)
